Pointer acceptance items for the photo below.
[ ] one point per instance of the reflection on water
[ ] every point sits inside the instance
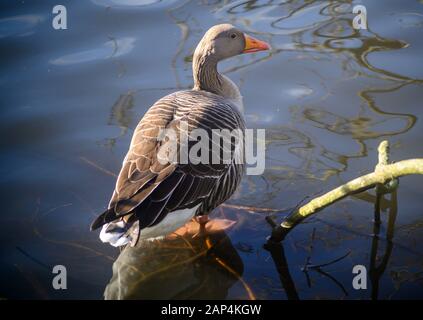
(19, 25)
(326, 95)
(110, 49)
(121, 115)
(124, 3)
(190, 268)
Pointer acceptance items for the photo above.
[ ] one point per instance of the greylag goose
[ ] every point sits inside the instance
(152, 197)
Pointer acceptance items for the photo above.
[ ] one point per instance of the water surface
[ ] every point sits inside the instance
(326, 94)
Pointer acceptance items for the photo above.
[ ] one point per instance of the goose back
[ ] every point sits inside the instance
(148, 189)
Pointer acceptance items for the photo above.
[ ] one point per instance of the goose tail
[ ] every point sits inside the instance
(115, 232)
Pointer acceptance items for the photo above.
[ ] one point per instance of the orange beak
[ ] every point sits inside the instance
(254, 45)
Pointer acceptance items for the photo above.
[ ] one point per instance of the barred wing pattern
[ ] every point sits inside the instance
(148, 190)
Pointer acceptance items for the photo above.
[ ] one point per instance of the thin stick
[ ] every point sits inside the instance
(95, 165)
(248, 208)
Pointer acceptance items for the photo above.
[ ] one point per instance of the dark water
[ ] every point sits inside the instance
(327, 95)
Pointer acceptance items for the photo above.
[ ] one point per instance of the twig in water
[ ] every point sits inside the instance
(95, 165)
(249, 208)
(339, 284)
(26, 254)
(318, 266)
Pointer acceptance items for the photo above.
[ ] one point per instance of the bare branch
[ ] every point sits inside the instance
(384, 178)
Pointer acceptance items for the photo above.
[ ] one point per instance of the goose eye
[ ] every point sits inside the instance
(233, 35)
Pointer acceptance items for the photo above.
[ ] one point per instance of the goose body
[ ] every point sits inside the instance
(152, 197)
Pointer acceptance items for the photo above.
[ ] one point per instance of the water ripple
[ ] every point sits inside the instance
(109, 49)
(19, 25)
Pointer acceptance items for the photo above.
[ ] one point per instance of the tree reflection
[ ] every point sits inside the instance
(376, 271)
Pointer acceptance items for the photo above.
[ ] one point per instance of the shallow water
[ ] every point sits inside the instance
(326, 94)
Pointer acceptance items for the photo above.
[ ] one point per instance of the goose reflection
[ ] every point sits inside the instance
(205, 266)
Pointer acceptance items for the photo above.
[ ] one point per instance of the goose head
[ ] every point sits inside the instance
(224, 41)
(218, 43)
